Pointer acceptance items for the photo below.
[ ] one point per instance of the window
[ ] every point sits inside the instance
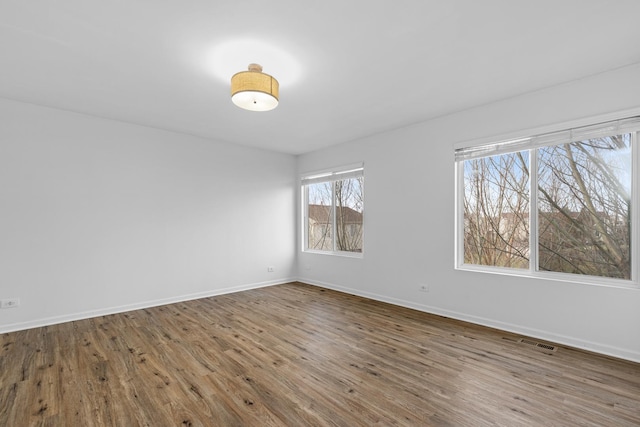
(333, 211)
(558, 205)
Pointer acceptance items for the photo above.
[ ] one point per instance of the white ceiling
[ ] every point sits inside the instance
(347, 69)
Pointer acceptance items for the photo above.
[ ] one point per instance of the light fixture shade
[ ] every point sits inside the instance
(253, 90)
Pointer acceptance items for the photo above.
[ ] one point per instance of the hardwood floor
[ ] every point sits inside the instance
(298, 355)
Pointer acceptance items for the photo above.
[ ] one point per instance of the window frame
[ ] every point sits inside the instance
(519, 143)
(332, 175)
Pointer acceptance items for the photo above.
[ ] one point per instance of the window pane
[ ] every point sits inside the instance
(584, 207)
(320, 224)
(496, 210)
(349, 209)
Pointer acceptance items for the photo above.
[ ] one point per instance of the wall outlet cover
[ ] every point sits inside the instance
(10, 303)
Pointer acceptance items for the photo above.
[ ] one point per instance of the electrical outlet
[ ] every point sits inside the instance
(10, 303)
(271, 269)
(423, 288)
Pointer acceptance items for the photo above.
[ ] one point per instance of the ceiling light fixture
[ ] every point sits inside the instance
(254, 90)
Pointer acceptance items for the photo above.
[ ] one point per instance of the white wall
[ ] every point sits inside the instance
(98, 216)
(409, 225)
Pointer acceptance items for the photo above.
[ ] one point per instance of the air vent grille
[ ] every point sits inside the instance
(535, 344)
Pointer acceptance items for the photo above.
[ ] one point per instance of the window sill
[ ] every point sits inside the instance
(558, 277)
(335, 253)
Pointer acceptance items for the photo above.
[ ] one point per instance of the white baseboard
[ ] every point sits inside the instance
(47, 321)
(496, 324)
(518, 329)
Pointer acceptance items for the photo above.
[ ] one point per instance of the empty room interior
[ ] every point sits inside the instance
(249, 213)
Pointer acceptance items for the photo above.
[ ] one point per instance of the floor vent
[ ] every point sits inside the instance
(541, 346)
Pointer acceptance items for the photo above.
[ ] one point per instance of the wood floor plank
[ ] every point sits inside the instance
(298, 355)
